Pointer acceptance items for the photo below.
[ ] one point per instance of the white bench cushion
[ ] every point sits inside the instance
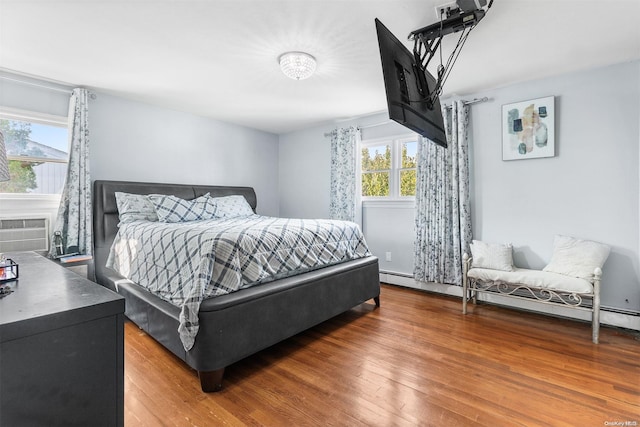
(534, 279)
(576, 257)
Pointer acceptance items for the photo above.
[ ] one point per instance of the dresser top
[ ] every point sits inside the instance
(48, 296)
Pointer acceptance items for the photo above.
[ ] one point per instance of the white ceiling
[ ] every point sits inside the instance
(218, 58)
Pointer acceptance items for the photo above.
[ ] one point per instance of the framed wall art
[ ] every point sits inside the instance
(528, 129)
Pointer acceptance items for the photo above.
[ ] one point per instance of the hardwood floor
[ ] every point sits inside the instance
(416, 360)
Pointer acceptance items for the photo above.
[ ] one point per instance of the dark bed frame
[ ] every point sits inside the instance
(239, 324)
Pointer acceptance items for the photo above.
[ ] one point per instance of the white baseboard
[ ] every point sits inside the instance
(621, 320)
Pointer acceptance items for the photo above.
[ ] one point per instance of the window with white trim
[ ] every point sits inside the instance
(36, 146)
(388, 168)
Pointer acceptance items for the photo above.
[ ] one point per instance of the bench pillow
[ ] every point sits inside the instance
(576, 257)
(493, 256)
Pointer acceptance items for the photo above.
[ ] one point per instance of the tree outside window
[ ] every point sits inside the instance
(376, 170)
(408, 169)
(36, 165)
(389, 168)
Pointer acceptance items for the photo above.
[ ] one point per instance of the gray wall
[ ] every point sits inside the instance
(304, 159)
(140, 142)
(589, 190)
(390, 233)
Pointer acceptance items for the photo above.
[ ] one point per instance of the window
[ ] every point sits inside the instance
(37, 153)
(389, 168)
(376, 170)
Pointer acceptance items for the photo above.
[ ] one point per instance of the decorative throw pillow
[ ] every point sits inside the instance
(232, 206)
(135, 207)
(175, 209)
(576, 257)
(493, 256)
(208, 205)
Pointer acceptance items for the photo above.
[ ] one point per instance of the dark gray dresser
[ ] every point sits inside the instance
(61, 349)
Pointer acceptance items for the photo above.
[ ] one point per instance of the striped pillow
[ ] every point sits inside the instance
(175, 209)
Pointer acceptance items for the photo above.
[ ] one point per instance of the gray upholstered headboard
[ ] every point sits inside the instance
(105, 210)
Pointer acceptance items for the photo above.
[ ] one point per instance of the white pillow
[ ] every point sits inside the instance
(232, 206)
(135, 207)
(493, 256)
(576, 257)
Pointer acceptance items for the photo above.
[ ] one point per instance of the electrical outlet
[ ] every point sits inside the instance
(443, 10)
(388, 256)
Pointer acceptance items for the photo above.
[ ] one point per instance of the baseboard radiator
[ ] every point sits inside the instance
(25, 233)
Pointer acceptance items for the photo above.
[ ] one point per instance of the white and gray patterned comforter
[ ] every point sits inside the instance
(184, 263)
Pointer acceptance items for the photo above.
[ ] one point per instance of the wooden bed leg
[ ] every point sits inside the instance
(211, 381)
(377, 300)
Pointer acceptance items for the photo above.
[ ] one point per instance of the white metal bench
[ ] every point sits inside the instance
(571, 279)
(537, 285)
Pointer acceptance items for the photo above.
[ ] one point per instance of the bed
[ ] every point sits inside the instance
(238, 324)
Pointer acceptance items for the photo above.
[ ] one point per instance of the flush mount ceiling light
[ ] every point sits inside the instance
(297, 65)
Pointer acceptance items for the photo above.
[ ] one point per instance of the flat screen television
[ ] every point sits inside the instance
(407, 87)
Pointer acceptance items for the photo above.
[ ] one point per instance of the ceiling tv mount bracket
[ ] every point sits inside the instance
(428, 40)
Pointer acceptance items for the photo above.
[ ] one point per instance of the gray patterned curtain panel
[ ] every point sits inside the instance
(74, 214)
(443, 215)
(343, 199)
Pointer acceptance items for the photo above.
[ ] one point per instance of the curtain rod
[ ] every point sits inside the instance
(327, 134)
(473, 101)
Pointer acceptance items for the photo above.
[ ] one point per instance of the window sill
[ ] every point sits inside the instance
(397, 203)
(23, 197)
(15, 205)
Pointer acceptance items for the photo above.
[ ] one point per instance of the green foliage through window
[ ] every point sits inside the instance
(375, 183)
(23, 178)
(377, 160)
(34, 166)
(384, 176)
(408, 172)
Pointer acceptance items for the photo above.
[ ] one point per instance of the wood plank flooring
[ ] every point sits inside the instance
(416, 360)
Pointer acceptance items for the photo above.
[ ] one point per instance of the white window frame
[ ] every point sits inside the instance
(19, 201)
(396, 166)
